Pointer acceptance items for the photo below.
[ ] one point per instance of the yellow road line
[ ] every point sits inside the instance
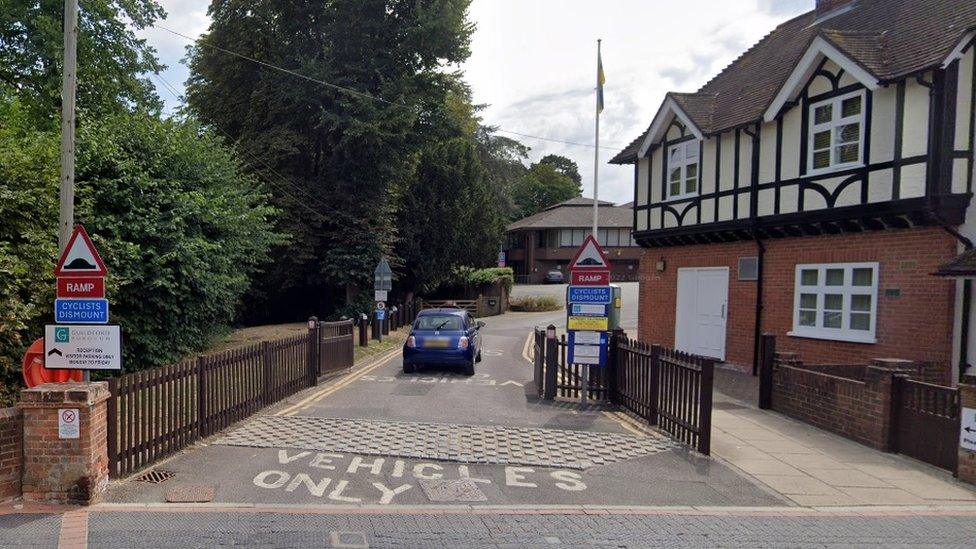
(525, 349)
(346, 380)
(624, 424)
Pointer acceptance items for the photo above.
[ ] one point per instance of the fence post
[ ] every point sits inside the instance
(552, 363)
(363, 336)
(267, 381)
(655, 373)
(768, 354)
(112, 429)
(312, 367)
(705, 407)
(203, 420)
(613, 364)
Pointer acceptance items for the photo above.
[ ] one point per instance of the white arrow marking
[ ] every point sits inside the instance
(513, 383)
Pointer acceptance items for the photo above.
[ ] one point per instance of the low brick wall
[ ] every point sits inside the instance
(11, 453)
(858, 409)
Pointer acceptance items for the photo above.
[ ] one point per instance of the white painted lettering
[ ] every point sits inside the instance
(284, 458)
(571, 482)
(514, 476)
(464, 473)
(336, 494)
(261, 481)
(357, 463)
(398, 467)
(418, 471)
(389, 494)
(316, 489)
(323, 460)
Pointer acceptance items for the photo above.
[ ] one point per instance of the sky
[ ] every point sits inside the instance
(533, 65)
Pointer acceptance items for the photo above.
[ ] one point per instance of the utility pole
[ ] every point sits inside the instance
(596, 148)
(66, 217)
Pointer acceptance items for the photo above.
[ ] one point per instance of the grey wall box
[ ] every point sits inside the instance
(749, 268)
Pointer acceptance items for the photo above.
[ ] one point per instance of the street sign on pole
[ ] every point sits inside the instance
(590, 257)
(80, 258)
(380, 295)
(81, 287)
(383, 275)
(82, 347)
(81, 311)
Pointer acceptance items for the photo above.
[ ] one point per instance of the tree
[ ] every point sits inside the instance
(112, 61)
(450, 218)
(503, 160)
(541, 187)
(564, 166)
(340, 153)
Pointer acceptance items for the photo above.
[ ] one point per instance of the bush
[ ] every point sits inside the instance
(535, 303)
(181, 230)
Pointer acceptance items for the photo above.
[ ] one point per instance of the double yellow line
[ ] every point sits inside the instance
(343, 382)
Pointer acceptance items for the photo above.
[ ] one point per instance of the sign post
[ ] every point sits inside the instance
(588, 301)
(382, 284)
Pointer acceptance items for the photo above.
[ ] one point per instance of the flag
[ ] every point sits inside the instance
(600, 80)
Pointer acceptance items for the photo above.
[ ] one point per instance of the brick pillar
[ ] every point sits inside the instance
(58, 469)
(11, 453)
(879, 400)
(967, 458)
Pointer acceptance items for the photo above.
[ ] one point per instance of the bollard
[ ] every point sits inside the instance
(363, 337)
(375, 329)
(552, 363)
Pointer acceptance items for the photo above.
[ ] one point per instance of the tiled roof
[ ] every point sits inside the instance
(889, 38)
(577, 213)
(963, 265)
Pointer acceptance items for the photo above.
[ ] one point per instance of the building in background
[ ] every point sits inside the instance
(548, 240)
(813, 188)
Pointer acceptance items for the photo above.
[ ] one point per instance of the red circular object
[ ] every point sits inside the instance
(35, 373)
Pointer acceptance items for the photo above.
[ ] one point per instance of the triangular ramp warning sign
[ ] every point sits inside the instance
(589, 256)
(80, 258)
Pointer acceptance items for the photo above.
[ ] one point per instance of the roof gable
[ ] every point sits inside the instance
(673, 107)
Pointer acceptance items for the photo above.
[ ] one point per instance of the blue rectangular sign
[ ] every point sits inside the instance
(590, 294)
(588, 309)
(588, 348)
(81, 311)
(380, 314)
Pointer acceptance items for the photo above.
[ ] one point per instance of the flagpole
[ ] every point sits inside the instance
(596, 148)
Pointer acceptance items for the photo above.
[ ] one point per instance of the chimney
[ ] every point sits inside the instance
(824, 6)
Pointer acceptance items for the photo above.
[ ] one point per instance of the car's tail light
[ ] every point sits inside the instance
(463, 342)
(411, 342)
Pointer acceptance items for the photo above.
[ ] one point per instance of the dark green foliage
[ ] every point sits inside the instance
(478, 278)
(449, 218)
(336, 158)
(181, 230)
(564, 166)
(543, 186)
(112, 61)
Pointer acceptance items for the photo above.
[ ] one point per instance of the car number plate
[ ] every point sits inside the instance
(438, 342)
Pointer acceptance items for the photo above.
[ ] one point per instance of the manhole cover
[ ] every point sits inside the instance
(452, 490)
(191, 493)
(348, 540)
(413, 389)
(156, 476)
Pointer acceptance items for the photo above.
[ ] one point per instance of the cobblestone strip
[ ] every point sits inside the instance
(446, 441)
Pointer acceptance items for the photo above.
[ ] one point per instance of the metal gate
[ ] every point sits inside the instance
(925, 425)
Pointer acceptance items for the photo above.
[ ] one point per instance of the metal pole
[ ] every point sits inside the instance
(596, 148)
(585, 383)
(66, 218)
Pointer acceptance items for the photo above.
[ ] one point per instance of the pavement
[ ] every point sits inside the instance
(379, 458)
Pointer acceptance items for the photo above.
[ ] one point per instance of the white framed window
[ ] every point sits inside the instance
(836, 139)
(836, 301)
(683, 170)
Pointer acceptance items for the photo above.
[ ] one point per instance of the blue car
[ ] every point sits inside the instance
(448, 337)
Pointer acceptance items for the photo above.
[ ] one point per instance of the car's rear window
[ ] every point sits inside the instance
(438, 322)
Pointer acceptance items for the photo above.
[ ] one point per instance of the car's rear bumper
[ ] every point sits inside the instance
(449, 357)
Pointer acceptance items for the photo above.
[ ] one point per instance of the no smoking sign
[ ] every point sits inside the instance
(68, 420)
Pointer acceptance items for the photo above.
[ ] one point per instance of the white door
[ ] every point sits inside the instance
(702, 306)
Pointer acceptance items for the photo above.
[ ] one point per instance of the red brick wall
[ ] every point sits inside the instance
(917, 325)
(11, 453)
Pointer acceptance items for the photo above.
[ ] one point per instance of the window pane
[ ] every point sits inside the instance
(821, 159)
(860, 321)
(835, 277)
(847, 153)
(863, 277)
(674, 174)
(613, 237)
(674, 155)
(808, 318)
(821, 140)
(860, 303)
(833, 302)
(674, 189)
(850, 133)
(851, 106)
(823, 113)
(691, 149)
(601, 236)
(832, 319)
(692, 170)
(565, 237)
(808, 277)
(808, 301)
(578, 236)
(691, 185)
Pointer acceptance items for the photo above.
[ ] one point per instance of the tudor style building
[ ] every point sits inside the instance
(813, 187)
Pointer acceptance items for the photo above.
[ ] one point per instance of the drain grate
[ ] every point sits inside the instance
(156, 476)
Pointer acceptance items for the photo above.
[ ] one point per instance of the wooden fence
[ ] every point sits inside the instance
(154, 413)
(668, 388)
